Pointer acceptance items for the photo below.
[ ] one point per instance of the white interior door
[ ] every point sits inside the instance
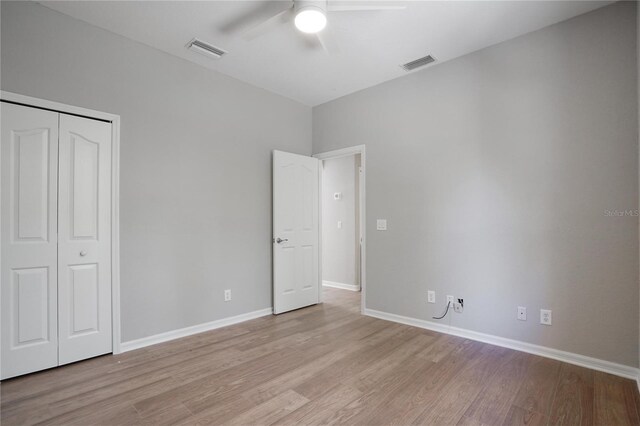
(296, 231)
(29, 163)
(84, 246)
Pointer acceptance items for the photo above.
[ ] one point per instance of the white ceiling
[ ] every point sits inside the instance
(372, 45)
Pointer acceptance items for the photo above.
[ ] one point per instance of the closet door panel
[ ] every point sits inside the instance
(84, 252)
(28, 275)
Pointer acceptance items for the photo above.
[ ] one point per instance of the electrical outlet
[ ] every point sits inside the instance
(431, 296)
(545, 316)
(450, 299)
(227, 295)
(458, 306)
(522, 313)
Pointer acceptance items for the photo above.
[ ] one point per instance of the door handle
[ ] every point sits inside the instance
(83, 252)
(280, 240)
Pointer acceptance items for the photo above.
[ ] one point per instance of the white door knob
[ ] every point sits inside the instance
(83, 252)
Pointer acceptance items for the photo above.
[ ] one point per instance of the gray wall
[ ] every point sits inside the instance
(339, 244)
(195, 163)
(494, 172)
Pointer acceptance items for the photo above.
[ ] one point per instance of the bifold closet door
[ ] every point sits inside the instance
(29, 178)
(84, 238)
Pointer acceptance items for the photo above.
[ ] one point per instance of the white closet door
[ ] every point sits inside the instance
(84, 246)
(29, 177)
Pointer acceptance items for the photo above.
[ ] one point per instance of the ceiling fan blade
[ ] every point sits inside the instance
(267, 25)
(328, 43)
(255, 13)
(361, 8)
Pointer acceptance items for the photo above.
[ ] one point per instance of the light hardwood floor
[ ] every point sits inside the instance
(320, 365)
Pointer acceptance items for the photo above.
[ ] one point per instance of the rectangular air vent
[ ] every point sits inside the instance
(206, 49)
(410, 66)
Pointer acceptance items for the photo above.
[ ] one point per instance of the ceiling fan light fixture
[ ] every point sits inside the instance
(310, 19)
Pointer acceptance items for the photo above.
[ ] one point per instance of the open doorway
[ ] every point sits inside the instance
(342, 227)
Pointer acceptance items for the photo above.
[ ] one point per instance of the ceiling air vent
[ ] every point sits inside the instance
(410, 66)
(206, 49)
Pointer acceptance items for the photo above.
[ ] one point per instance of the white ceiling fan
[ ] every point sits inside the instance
(310, 17)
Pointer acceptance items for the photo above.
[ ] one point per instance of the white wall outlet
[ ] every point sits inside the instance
(381, 225)
(545, 316)
(522, 313)
(339, 224)
(450, 299)
(431, 296)
(227, 295)
(458, 307)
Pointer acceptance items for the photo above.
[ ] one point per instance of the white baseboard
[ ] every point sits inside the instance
(343, 286)
(195, 329)
(568, 357)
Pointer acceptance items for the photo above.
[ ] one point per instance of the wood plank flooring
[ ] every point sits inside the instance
(325, 364)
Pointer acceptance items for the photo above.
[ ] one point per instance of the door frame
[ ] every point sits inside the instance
(339, 153)
(114, 119)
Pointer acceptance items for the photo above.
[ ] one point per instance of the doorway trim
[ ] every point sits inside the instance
(114, 119)
(339, 153)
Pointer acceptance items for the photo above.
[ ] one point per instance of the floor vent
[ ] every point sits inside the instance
(206, 49)
(410, 66)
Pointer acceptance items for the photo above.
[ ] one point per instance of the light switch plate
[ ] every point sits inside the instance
(381, 225)
(339, 224)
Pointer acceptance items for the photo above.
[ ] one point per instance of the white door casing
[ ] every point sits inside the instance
(84, 238)
(296, 258)
(344, 152)
(29, 156)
